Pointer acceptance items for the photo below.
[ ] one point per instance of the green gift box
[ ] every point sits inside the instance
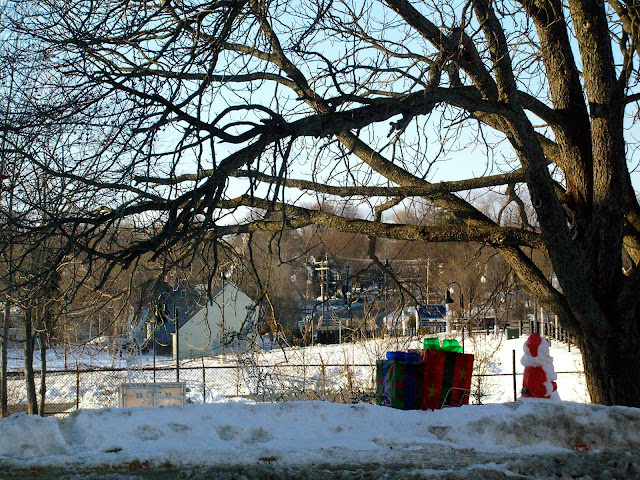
(398, 383)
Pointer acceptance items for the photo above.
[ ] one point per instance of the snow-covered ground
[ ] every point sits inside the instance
(238, 438)
(288, 372)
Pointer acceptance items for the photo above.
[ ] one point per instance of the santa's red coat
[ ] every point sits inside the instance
(533, 383)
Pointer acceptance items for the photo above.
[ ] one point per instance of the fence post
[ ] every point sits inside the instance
(77, 386)
(204, 383)
(519, 328)
(237, 379)
(515, 396)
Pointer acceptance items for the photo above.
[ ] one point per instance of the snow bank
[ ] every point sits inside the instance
(306, 432)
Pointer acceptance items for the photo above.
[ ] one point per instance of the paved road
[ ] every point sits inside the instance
(419, 465)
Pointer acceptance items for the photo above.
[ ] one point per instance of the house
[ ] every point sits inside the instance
(432, 312)
(433, 318)
(411, 320)
(403, 321)
(225, 324)
(338, 321)
(180, 302)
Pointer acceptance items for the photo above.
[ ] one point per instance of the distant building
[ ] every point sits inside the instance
(433, 318)
(403, 321)
(170, 304)
(225, 324)
(411, 320)
(433, 312)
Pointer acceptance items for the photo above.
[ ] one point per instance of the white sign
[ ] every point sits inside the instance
(152, 394)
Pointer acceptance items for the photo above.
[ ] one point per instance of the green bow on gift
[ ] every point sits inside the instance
(448, 344)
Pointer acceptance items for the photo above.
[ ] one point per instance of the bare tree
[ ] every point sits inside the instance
(33, 249)
(194, 109)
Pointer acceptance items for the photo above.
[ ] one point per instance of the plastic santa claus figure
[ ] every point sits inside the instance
(539, 375)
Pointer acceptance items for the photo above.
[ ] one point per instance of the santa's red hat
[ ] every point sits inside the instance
(533, 342)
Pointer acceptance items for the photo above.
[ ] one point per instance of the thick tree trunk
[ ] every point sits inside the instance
(612, 367)
(29, 378)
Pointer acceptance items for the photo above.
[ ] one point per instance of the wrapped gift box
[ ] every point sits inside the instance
(399, 383)
(446, 380)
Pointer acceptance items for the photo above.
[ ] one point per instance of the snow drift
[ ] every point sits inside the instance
(306, 432)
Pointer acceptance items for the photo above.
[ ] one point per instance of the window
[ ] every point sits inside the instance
(183, 293)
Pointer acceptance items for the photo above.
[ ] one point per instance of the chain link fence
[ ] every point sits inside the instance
(67, 390)
(71, 389)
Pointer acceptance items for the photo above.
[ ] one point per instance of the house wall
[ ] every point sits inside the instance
(180, 301)
(211, 331)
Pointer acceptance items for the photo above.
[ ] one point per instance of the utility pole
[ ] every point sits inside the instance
(322, 268)
(428, 264)
(387, 266)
